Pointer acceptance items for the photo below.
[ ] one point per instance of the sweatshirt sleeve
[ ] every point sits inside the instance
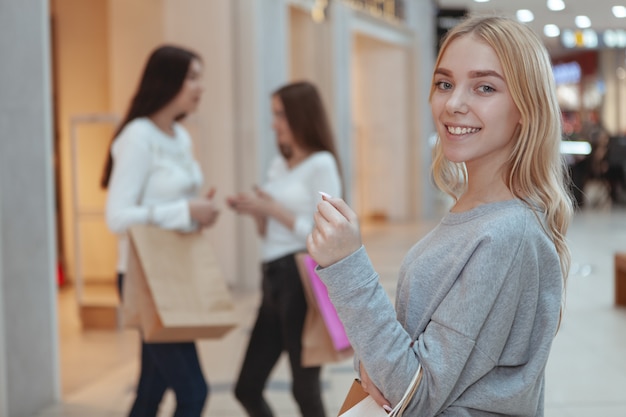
(447, 347)
(131, 169)
(323, 177)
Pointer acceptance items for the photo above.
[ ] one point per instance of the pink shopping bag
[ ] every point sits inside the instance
(327, 309)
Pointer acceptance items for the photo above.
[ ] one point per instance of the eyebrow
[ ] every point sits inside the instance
(472, 74)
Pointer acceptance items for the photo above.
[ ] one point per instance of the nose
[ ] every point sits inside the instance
(457, 102)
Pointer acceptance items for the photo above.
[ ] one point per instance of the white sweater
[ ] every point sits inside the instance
(297, 189)
(153, 177)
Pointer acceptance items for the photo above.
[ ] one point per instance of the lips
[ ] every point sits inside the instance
(461, 130)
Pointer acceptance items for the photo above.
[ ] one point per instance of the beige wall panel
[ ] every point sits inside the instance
(81, 45)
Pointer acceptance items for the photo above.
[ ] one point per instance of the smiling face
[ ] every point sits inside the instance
(472, 107)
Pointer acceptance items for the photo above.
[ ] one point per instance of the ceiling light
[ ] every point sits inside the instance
(551, 31)
(583, 22)
(481, 1)
(525, 15)
(619, 11)
(590, 38)
(556, 5)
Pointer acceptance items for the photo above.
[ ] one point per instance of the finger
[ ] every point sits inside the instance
(211, 193)
(310, 244)
(342, 207)
(330, 214)
(323, 224)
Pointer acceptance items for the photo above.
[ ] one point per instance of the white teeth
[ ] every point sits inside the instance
(462, 130)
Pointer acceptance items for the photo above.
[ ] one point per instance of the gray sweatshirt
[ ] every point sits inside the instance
(481, 294)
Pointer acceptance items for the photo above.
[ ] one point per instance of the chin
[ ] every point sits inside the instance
(285, 151)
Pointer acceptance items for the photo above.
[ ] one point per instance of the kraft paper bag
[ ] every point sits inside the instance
(173, 288)
(317, 343)
(359, 404)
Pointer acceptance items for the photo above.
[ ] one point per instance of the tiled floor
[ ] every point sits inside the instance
(586, 375)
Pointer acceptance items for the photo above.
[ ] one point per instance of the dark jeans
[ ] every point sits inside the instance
(169, 365)
(278, 327)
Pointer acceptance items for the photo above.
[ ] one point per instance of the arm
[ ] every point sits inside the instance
(131, 171)
(131, 168)
(448, 343)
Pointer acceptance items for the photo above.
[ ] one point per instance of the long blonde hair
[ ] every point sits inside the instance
(535, 171)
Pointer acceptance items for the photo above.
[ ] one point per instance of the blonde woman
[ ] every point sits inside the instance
(479, 298)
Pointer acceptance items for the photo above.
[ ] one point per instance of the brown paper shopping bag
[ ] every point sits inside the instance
(173, 288)
(317, 344)
(359, 404)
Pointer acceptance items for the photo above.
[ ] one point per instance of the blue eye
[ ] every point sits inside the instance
(443, 85)
(486, 89)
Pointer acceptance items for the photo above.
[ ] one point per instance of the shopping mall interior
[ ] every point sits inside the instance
(64, 351)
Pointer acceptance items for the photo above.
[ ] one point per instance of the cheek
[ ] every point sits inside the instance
(437, 104)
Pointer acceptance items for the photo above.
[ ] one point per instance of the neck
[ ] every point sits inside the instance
(483, 188)
(164, 122)
(297, 157)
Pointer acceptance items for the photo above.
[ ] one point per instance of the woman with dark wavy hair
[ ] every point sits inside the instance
(283, 210)
(153, 178)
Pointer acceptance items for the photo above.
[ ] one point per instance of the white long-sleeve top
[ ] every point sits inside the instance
(297, 189)
(153, 176)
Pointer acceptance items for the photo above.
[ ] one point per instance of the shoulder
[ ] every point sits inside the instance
(136, 134)
(322, 159)
(519, 229)
(506, 225)
(138, 126)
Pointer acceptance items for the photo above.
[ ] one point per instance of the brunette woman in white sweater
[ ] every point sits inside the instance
(283, 210)
(153, 178)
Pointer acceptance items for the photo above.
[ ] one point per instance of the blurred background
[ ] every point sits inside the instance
(69, 67)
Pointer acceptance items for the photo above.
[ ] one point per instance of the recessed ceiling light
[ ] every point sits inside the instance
(551, 31)
(525, 15)
(619, 11)
(481, 1)
(583, 22)
(556, 5)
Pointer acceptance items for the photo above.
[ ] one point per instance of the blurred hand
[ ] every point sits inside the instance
(372, 390)
(336, 233)
(204, 210)
(257, 204)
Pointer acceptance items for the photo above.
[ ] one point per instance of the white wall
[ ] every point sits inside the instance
(135, 28)
(82, 87)
(381, 142)
(420, 19)
(3, 359)
(30, 375)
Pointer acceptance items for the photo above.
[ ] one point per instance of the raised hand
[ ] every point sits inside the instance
(336, 233)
